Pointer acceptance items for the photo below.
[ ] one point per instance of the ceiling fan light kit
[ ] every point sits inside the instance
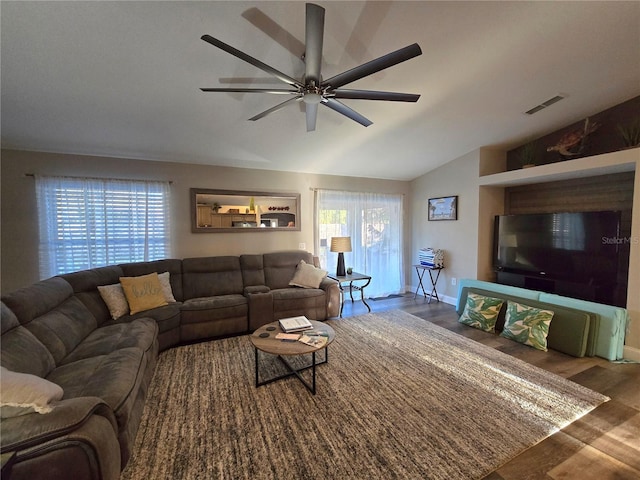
(314, 91)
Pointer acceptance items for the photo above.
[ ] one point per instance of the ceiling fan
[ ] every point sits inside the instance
(312, 90)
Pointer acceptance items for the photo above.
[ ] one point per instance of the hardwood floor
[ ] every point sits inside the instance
(605, 444)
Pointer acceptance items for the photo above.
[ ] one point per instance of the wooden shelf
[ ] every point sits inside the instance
(615, 162)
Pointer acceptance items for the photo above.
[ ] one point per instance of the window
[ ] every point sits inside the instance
(374, 223)
(90, 222)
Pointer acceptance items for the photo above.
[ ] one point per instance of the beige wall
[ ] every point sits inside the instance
(19, 216)
(459, 239)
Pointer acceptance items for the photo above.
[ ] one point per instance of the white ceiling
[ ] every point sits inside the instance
(122, 79)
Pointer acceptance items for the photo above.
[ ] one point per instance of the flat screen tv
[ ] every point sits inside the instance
(577, 247)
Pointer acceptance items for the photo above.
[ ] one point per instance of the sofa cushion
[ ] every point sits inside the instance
(215, 307)
(114, 378)
(291, 302)
(307, 276)
(140, 333)
(21, 351)
(50, 293)
(481, 312)
(143, 292)
(252, 270)
(62, 328)
(85, 286)
(167, 317)
(22, 393)
(209, 317)
(527, 325)
(280, 267)
(211, 276)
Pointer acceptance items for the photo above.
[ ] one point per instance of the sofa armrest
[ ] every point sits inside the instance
(256, 289)
(77, 439)
(33, 428)
(260, 309)
(332, 290)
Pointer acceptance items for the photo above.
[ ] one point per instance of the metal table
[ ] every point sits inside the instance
(349, 279)
(264, 339)
(420, 270)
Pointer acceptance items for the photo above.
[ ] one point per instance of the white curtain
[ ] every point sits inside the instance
(91, 222)
(374, 223)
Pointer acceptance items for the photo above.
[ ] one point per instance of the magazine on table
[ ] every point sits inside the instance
(295, 324)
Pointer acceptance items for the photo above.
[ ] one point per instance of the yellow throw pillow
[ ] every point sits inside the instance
(143, 292)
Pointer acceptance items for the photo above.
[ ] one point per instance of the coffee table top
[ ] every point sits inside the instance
(276, 346)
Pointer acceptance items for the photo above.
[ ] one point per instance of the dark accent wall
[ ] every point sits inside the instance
(606, 192)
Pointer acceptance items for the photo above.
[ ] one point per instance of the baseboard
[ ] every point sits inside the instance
(443, 298)
(631, 353)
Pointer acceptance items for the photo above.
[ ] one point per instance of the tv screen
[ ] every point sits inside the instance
(579, 247)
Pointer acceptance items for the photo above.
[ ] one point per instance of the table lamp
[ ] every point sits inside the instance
(340, 245)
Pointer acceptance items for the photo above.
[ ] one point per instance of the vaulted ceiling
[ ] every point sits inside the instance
(123, 79)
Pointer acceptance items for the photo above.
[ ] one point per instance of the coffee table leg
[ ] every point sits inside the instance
(313, 361)
(311, 386)
(256, 362)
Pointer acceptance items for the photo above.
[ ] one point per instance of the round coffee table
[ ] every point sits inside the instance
(264, 339)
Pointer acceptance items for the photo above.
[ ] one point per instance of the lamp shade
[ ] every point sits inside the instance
(341, 244)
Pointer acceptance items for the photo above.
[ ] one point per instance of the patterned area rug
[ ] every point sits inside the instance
(400, 398)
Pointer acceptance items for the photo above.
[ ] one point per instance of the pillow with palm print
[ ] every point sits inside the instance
(527, 325)
(481, 312)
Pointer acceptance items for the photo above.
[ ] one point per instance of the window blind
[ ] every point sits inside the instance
(90, 222)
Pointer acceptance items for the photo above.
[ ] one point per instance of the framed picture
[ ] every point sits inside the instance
(443, 208)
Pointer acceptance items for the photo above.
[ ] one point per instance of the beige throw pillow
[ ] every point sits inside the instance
(22, 393)
(143, 292)
(307, 276)
(113, 296)
(165, 283)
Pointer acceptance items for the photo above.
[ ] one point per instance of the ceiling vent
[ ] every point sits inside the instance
(545, 104)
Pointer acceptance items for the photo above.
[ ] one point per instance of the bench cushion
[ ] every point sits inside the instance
(568, 331)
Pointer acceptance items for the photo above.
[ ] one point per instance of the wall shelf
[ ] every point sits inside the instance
(607, 163)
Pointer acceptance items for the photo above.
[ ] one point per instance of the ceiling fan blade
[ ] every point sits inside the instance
(346, 111)
(276, 91)
(311, 112)
(374, 66)
(253, 61)
(275, 109)
(375, 95)
(274, 31)
(313, 38)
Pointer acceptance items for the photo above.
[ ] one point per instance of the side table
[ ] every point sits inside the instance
(420, 270)
(349, 279)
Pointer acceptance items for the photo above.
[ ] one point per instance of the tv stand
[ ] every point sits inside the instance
(583, 291)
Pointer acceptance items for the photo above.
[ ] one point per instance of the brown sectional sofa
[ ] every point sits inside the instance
(61, 330)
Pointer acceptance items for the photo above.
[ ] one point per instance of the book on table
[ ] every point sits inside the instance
(295, 324)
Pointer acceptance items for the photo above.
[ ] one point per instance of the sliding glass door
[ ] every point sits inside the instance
(374, 223)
